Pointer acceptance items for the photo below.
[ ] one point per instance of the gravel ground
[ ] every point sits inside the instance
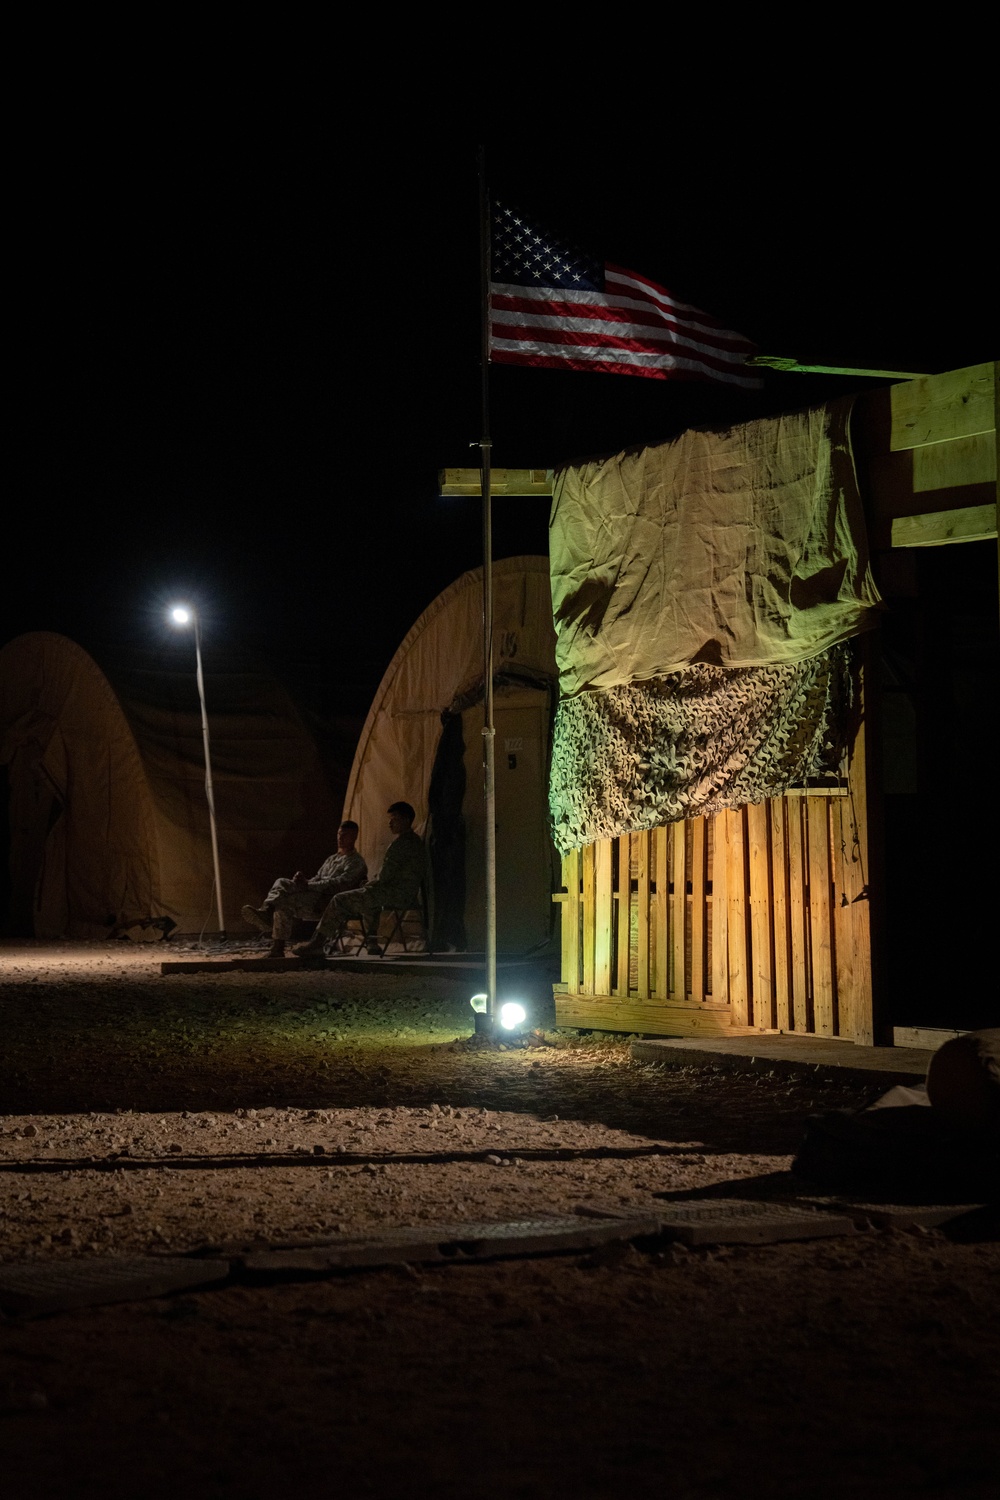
(150, 1114)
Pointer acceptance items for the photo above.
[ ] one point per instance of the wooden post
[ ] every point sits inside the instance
(820, 914)
(660, 981)
(623, 913)
(736, 890)
(720, 913)
(784, 1014)
(642, 849)
(760, 914)
(589, 917)
(698, 879)
(602, 917)
(678, 906)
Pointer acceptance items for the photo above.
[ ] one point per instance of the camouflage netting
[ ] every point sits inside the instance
(694, 742)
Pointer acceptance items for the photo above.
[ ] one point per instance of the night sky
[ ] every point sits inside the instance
(251, 340)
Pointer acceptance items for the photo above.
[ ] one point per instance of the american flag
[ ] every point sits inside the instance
(554, 305)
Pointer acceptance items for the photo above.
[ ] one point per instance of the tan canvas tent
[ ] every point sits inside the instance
(108, 824)
(422, 742)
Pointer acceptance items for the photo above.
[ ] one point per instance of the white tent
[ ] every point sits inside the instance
(422, 743)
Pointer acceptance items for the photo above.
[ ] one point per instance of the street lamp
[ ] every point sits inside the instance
(186, 614)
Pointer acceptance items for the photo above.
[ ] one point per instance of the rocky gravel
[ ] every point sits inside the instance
(148, 1114)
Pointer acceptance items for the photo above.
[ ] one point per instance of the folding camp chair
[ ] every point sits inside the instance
(366, 934)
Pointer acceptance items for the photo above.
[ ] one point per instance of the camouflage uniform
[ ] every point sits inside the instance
(341, 872)
(396, 886)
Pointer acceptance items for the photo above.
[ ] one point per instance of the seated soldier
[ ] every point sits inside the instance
(307, 898)
(396, 886)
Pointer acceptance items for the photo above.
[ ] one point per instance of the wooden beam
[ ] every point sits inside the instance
(660, 980)
(952, 466)
(821, 918)
(605, 1013)
(737, 917)
(603, 916)
(938, 408)
(784, 1014)
(678, 909)
(502, 482)
(624, 914)
(798, 915)
(571, 921)
(589, 916)
(642, 851)
(936, 528)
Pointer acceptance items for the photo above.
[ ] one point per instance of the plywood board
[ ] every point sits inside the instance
(938, 528)
(939, 408)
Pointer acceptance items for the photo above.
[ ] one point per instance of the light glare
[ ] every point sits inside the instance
(181, 615)
(478, 1003)
(512, 1014)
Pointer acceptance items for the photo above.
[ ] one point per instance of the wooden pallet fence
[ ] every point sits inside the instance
(751, 920)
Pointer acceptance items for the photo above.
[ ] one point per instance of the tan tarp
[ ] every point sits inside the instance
(740, 548)
(106, 790)
(439, 666)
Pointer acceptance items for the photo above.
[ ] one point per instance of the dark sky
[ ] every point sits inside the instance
(251, 340)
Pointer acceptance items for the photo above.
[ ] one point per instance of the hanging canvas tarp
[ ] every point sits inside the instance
(702, 592)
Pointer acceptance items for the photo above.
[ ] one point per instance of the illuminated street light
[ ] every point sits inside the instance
(186, 614)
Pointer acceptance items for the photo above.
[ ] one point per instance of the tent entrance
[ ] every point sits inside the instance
(526, 860)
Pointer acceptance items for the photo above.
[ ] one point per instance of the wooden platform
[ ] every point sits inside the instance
(801, 1056)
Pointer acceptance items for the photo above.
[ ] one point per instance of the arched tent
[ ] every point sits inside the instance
(108, 823)
(422, 742)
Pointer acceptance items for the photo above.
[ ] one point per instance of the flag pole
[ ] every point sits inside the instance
(489, 729)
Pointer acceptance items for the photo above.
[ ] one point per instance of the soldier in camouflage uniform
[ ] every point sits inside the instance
(307, 898)
(396, 886)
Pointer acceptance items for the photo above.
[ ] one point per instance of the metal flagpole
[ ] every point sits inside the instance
(209, 794)
(489, 729)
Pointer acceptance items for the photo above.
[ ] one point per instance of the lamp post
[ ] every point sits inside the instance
(186, 614)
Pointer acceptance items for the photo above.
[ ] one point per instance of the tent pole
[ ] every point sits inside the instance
(209, 792)
(489, 729)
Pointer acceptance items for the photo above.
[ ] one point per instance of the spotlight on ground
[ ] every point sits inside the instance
(512, 1015)
(479, 1003)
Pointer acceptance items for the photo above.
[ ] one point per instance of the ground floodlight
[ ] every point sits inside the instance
(512, 1015)
(479, 1003)
(180, 614)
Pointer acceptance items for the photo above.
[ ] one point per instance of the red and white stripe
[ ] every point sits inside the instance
(633, 328)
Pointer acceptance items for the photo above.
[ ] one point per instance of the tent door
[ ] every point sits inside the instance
(525, 857)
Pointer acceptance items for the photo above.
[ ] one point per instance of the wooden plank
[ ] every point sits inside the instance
(660, 978)
(587, 875)
(622, 915)
(928, 1037)
(761, 978)
(820, 917)
(571, 922)
(737, 918)
(784, 1017)
(951, 466)
(602, 917)
(698, 879)
(798, 915)
(936, 528)
(937, 408)
(502, 482)
(642, 852)
(678, 908)
(605, 1013)
(852, 922)
(720, 928)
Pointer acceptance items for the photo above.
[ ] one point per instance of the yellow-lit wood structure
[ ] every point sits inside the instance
(765, 918)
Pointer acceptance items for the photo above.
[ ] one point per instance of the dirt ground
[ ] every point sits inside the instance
(148, 1114)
